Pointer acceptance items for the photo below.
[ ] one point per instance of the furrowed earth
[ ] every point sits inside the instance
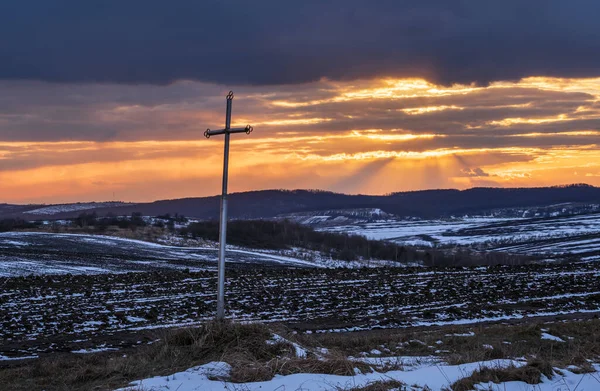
(42, 314)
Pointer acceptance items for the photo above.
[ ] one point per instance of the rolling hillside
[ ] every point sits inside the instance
(273, 203)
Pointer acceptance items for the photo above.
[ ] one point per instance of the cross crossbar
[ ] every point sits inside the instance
(248, 129)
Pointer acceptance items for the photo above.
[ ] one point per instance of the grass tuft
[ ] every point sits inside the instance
(381, 386)
(530, 374)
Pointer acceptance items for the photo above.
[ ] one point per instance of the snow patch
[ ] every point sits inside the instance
(436, 377)
(6, 358)
(552, 337)
(300, 351)
(55, 209)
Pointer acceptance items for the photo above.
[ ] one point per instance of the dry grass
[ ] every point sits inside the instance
(243, 346)
(244, 371)
(352, 344)
(177, 350)
(582, 342)
(247, 369)
(530, 374)
(226, 340)
(381, 386)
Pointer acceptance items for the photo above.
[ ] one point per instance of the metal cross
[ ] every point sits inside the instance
(223, 223)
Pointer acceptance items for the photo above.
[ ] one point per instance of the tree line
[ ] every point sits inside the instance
(279, 235)
(7, 225)
(134, 221)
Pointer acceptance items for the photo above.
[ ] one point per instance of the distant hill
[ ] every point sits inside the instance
(273, 203)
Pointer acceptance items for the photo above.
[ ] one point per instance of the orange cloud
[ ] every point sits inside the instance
(368, 136)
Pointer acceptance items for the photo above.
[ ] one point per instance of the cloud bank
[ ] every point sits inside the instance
(77, 142)
(281, 42)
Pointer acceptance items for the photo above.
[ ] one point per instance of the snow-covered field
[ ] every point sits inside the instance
(61, 208)
(554, 237)
(24, 253)
(414, 231)
(434, 376)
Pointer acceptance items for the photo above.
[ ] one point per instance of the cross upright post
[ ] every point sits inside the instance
(223, 222)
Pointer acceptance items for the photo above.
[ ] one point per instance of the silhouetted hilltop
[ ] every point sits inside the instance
(479, 200)
(271, 203)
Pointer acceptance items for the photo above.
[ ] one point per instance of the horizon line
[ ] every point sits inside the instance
(570, 185)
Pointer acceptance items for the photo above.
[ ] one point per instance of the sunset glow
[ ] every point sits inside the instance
(368, 136)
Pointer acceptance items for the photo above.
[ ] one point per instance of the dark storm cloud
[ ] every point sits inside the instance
(275, 42)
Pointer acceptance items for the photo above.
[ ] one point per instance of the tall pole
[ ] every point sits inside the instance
(223, 223)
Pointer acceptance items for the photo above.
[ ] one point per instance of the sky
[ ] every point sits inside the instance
(108, 100)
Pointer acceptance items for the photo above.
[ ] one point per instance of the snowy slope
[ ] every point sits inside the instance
(436, 377)
(558, 236)
(23, 253)
(62, 208)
